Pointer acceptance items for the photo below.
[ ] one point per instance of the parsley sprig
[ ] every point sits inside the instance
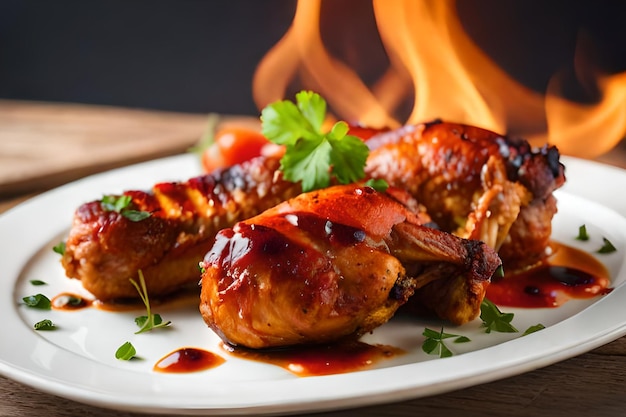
(494, 319)
(435, 345)
(45, 324)
(38, 301)
(59, 248)
(121, 204)
(312, 156)
(607, 245)
(150, 321)
(582, 233)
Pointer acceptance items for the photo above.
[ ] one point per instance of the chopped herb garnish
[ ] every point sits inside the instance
(115, 203)
(121, 204)
(44, 325)
(125, 352)
(59, 248)
(495, 320)
(435, 345)
(37, 282)
(136, 215)
(533, 329)
(607, 247)
(379, 185)
(39, 301)
(312, 156)
(150, 321)
(582, 233)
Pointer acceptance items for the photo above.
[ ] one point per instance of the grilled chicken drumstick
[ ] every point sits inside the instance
(331, 264)
(105, 248)
(474, 183)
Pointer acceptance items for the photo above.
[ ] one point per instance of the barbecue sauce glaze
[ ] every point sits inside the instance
(567, 274)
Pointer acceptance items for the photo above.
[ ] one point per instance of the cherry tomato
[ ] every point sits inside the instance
(364, 132)
(231, 146)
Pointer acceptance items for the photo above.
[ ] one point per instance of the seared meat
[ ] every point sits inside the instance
(332, 264)
(104, 248)
(475, 183)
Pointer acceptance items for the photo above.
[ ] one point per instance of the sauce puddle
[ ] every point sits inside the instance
(66, 301)
(318, 360)
(185, 360)
(567, 274)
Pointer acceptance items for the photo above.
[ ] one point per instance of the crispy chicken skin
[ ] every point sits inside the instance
(332, 264)
(475, 183)
(104, 248)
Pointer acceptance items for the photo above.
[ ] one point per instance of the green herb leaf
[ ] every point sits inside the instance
(499, 272)
(582, 233)
(136, 215)
(149, 321)
(121, 204)
(533, 329)
(39, 301)
(115, 203)
(37, 282)
(379, 185)
(125, 352)
(607, 247)
(141, 321)
(44, 325)
(495, 320)
(312, 156)
(59, 248)
(435, 345)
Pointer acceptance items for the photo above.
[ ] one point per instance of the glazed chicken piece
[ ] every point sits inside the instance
(475, 183)
(332, 264)
(105, 248)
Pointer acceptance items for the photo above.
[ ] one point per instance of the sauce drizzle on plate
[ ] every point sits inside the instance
(567, 274)
(317, 360)
(187, 359)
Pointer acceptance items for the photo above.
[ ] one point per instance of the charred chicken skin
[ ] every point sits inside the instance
(475, 183)
(104, 248)
(333, 264)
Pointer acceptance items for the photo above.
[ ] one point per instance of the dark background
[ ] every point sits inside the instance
(200, 55)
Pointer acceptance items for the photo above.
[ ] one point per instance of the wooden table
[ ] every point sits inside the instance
(54, 143)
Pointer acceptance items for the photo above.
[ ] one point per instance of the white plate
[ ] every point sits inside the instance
(77, 360)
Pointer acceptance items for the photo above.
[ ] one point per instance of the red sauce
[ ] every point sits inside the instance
(67, 301)
(186, 360)
(567, 274)
(320, 359)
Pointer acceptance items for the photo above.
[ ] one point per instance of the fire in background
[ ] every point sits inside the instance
(535, 69)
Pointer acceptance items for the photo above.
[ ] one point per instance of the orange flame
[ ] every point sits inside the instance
(436, 64)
